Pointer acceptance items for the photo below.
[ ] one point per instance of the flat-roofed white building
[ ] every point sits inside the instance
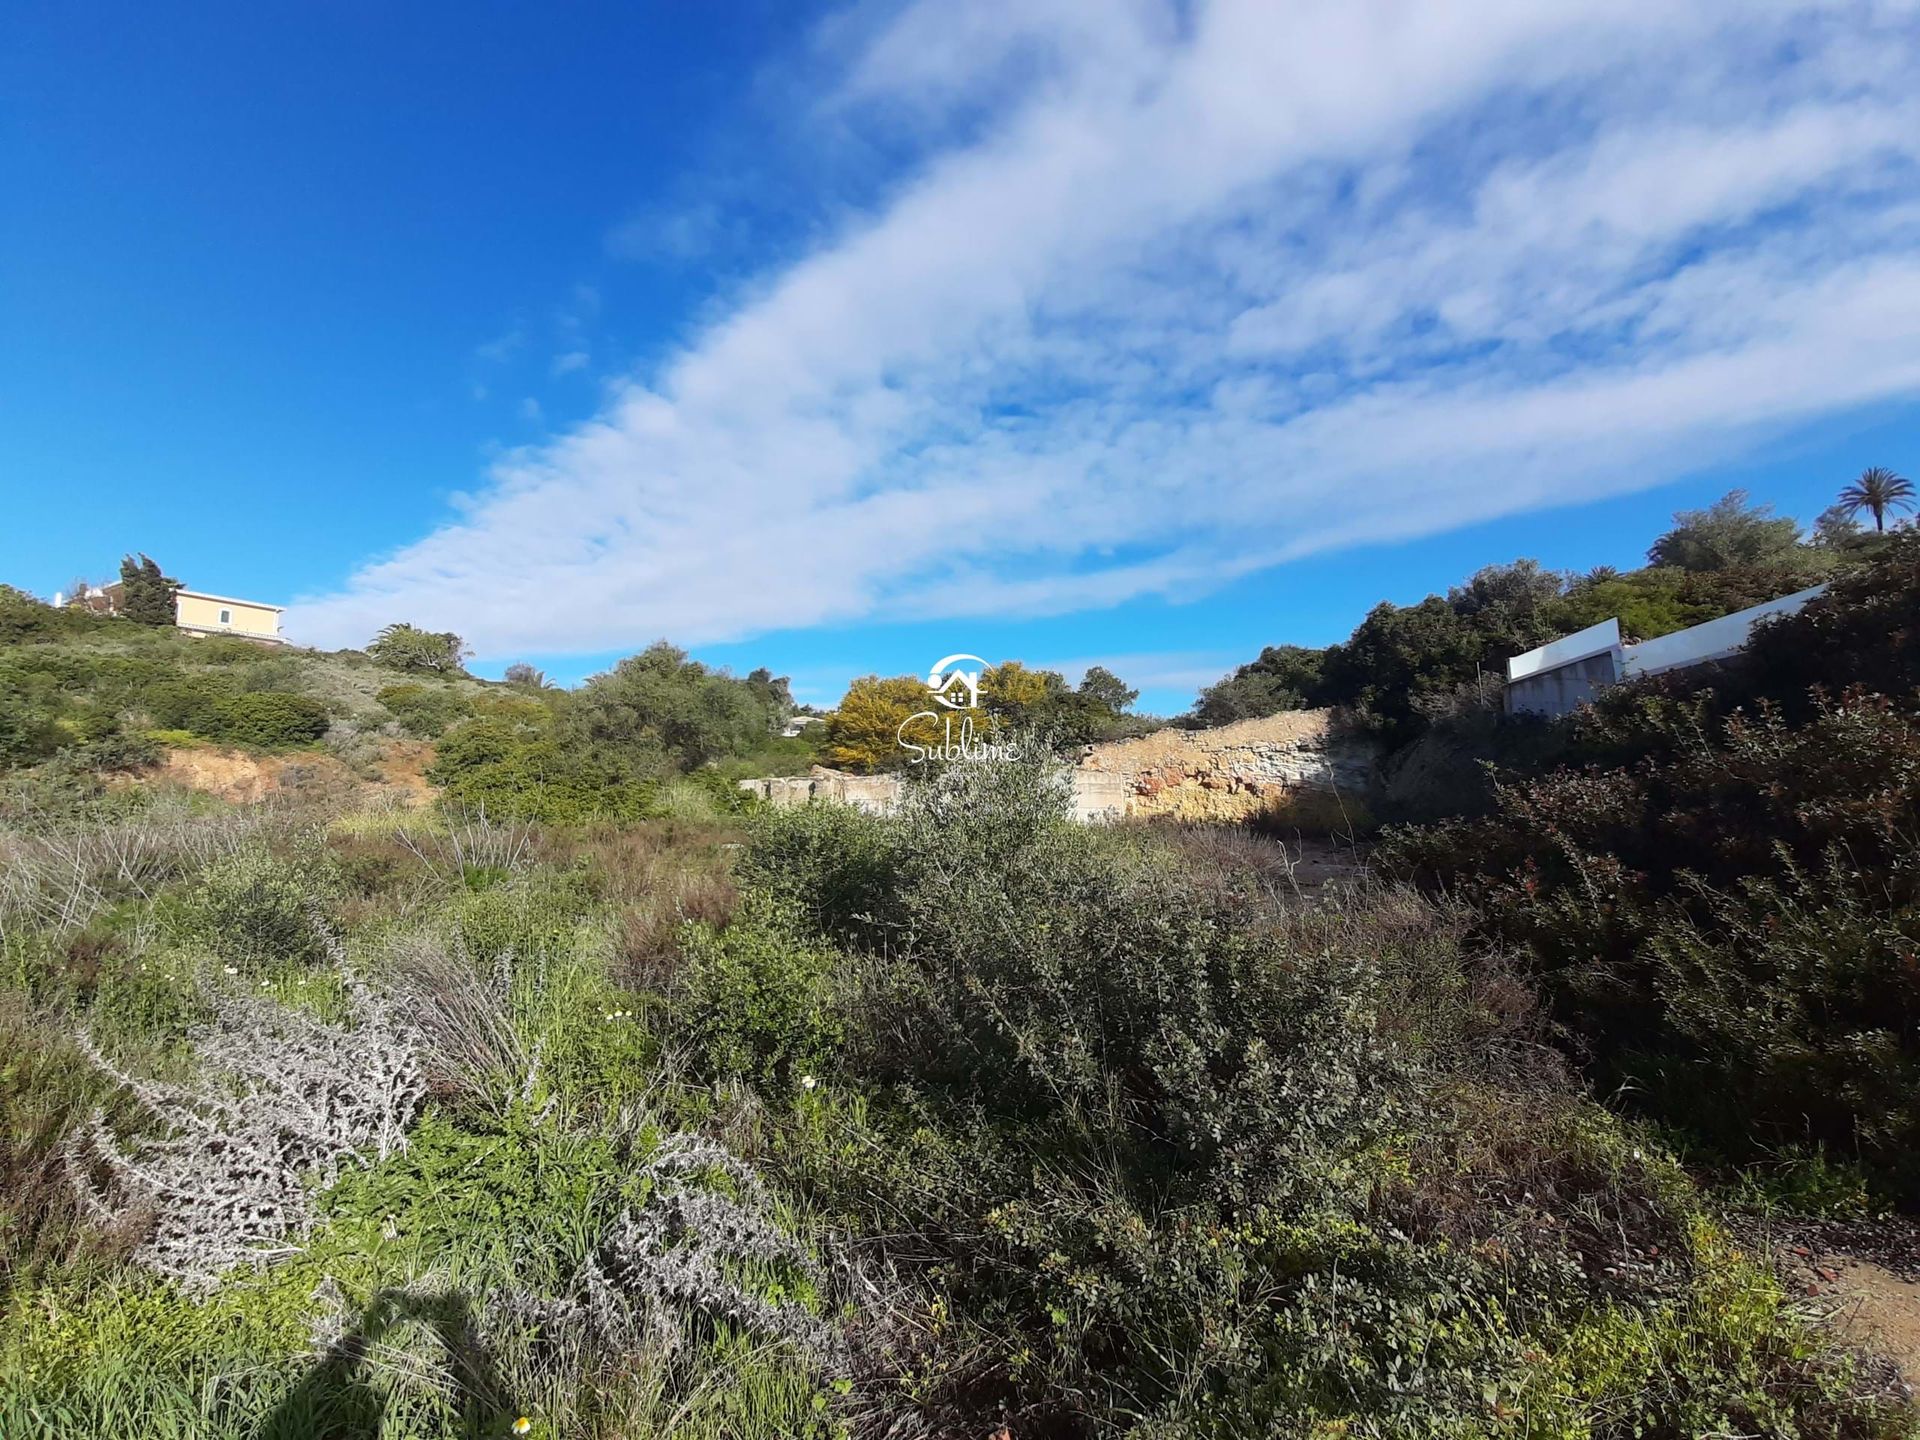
(1558, 677)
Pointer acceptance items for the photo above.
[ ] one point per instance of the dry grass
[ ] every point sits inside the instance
(658, 876)
(62, 877)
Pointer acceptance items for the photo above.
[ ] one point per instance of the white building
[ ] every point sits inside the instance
(1556, 678)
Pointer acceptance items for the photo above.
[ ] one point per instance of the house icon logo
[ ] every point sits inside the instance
(955, 686)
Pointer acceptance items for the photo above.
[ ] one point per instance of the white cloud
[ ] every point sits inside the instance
(1174, 293)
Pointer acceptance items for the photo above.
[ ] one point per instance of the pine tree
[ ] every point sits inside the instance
(146, 594)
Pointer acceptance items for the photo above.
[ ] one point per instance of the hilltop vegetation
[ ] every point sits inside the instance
(110, 693)
(1714, 877)
(1425, 679)
(1404, 660)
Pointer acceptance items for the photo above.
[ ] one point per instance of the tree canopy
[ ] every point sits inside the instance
(1728, 533)
(1402, 662)
(407, 647)
(1877, 491)
(863, 732)
(661, 699)
(146, 594)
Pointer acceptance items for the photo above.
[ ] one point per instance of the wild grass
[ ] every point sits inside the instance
(59, 875)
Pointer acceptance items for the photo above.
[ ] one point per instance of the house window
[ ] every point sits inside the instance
(226, 617)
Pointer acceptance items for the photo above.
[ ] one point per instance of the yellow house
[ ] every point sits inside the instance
(200, 614)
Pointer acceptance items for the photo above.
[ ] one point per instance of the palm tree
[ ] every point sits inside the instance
(1877, 491)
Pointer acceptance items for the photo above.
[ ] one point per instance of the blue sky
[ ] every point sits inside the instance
(840, 338)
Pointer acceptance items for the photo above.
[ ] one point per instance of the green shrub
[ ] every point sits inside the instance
(662, 700)
(23, 618)
(511, 770)
(754, 999)
(210, 703)
(28, 732)
(49, 1091)
(194, 701)
(271, 718)
(1721, 899)
(425, 711)
(539, 915)
(258, 913)
(834, 862)
(1160, 1159)
(1728, 924)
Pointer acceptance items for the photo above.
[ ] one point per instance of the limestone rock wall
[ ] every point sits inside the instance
(875, 793)
(1290, 768)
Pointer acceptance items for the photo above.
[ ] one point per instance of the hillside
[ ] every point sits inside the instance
(114, 694)
(629, 1107)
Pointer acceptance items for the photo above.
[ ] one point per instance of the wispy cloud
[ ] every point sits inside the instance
(1172, 293)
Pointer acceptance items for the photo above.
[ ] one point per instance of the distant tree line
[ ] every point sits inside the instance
(606, 748)
(864, 733)
(1405, 664)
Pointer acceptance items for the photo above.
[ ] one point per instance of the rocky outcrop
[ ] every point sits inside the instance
(1291, 768)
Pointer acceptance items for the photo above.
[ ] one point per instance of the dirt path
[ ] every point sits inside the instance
(1882, 1310)
(1865, 1276)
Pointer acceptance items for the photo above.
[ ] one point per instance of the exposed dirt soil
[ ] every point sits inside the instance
(403, 769)
(1865, 1277)
(244, 779)
(1882, 1311)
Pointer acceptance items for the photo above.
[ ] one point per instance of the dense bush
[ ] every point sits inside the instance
(1730, 922)
(27, 731)
(1152, 1156)
(1722, 897)
(661, 701)
(407, 647)
(508, 768)
(270, 718)
(839, 865)
(25, 618)
(258, 913)
(425, 711)
(754, 999)
(56, 696)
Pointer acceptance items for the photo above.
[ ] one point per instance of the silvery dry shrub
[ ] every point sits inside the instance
(282, 1101)
(258, 912)
(702, 1242)
(58, 872)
